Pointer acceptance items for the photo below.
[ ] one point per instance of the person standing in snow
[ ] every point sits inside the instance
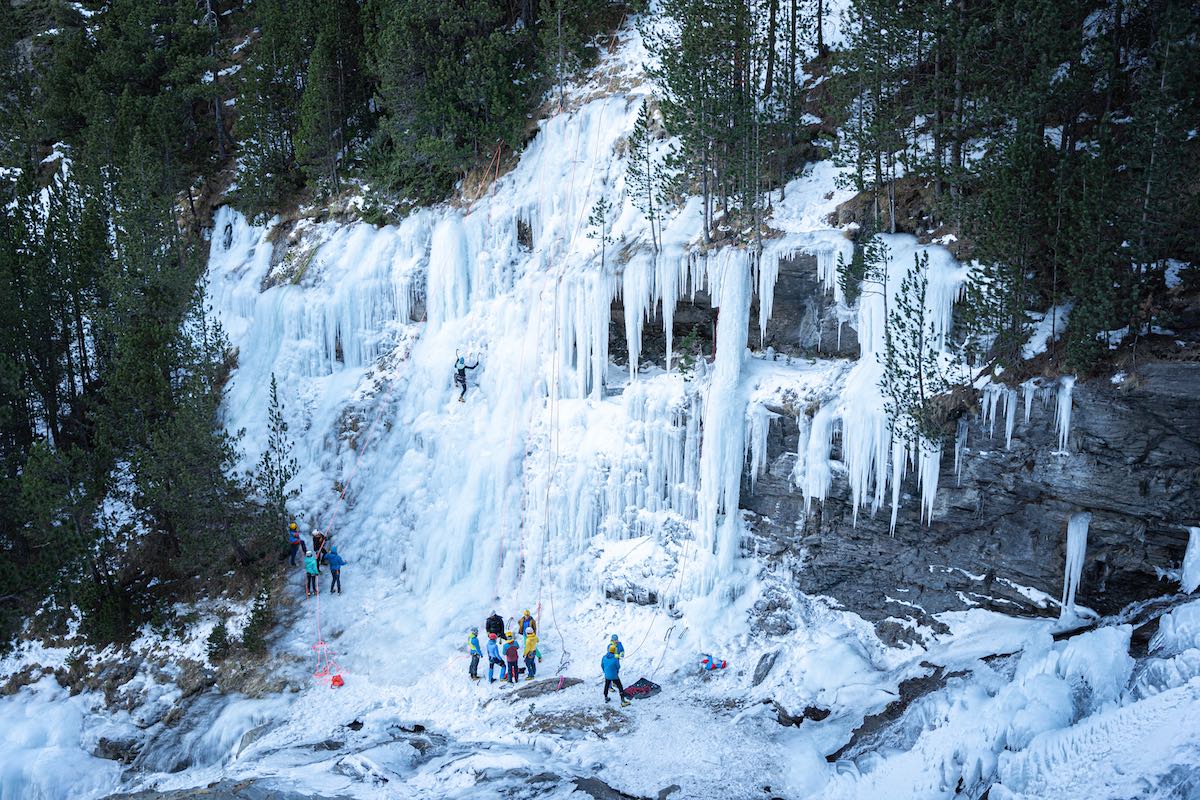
(294, 542)
(532, 655)
(494, 659)
(335, 563)
(310, 572)
(475, 653)
(318, 548)
(460, 376)
(511, 654)
(494, 624)
(620, 647)
(610, 665)
(527, 624)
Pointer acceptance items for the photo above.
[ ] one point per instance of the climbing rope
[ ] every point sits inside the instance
(327, 669)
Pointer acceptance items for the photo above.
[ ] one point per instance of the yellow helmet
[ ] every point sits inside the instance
(527, 612)
(292, 526)
(612, 648)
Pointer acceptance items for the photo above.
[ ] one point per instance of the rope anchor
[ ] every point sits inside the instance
(327, 670)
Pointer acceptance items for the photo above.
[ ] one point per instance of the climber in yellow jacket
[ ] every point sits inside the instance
(532, 655)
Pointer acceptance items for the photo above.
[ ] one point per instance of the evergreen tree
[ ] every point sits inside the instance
(599, 226)
(645, 174)
(277, 467)
(319, 138)
(913, 376)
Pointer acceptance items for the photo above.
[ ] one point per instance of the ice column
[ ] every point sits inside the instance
(1077, 531)
(1190, 581)
(722, 447)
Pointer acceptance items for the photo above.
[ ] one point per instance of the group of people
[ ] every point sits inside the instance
(504, 651)
(323, 552)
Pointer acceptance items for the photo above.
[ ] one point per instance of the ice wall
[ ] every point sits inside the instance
(553, 453)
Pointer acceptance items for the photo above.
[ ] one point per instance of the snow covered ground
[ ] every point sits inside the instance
(563, 480)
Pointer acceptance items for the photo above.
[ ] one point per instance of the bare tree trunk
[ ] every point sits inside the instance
(821, 50)
(769, 84)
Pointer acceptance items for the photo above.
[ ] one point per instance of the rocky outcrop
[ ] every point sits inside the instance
(998, 533)
(1000, 526)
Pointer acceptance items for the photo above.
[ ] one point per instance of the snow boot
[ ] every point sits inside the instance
(606, 698)
(624, 702)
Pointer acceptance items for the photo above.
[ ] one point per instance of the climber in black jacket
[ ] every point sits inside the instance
(460, 376)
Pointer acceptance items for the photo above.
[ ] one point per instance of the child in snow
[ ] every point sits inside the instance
(611, 666)
(511, 654)
(494, 658)
(532, 655)
(294, 542)
(472, 650)
(310, 573)
(335, 563)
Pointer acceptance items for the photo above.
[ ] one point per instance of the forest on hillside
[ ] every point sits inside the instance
(1053, 143)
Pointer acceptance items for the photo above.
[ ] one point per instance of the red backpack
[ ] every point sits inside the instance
(511, 652)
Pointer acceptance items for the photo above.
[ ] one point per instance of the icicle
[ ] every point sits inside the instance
(1029, 388)
(899, 467)
(768, 273)
(991, 397)
(1190, 579)
(759, 422)
(866, 440)
(1063, 418)
(1010, 416)
(960, 443)
(1077, 532)
(670, 274)
(817, 473)
(929, 463)
(636, 293)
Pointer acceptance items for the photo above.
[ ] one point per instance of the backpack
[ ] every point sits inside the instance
(511, 652)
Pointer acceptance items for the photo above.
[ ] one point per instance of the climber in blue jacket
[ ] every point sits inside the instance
(493, 652)
(335, 563)
(611, 666)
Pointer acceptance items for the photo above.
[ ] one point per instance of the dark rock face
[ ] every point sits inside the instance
(1133, 462)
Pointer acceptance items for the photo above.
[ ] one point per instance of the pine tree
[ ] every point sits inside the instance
(913, 376)
(600, 225)
(277, 466)
(645, 174)
(319, 137)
